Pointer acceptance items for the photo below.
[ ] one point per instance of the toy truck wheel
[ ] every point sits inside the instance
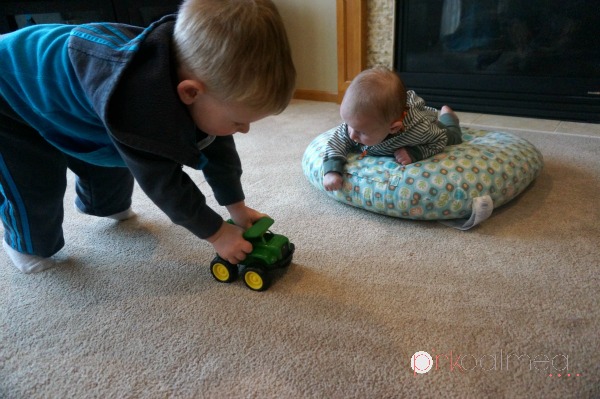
(256, 279)
(223, 271)
(292, 249)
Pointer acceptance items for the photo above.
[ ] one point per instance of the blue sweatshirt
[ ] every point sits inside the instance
(106, 93)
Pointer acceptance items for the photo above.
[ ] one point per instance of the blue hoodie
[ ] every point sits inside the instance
(106, 93)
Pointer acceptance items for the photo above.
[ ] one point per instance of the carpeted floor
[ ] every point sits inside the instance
(507, 309)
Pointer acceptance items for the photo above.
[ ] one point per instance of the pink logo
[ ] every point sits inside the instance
(421, 362)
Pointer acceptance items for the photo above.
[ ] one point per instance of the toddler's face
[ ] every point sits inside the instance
(219, 118)
(365, 130)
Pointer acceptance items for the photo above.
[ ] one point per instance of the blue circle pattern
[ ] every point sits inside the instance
(497, 164)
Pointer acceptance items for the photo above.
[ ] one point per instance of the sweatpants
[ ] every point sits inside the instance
(33, 181)
(450, 122)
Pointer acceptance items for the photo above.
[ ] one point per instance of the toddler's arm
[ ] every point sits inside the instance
(229, 243)
(243, 215)
(228, 240)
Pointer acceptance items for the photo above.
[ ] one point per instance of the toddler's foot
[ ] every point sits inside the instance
(124, 215)
(28, 263)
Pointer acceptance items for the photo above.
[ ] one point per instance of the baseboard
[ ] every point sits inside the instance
(316, 95)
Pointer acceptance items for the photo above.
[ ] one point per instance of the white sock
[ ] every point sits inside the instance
(28, 263)
(124, 215)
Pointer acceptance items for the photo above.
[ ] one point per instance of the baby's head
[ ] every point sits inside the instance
(238, 53)
(374, 105)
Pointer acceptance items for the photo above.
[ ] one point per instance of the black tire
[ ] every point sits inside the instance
(256, 278)
(223, 271)
(292, 249)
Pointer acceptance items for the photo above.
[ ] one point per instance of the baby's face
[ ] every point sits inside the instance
(364, 130)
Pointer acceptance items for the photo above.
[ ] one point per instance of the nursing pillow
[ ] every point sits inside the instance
(465, 181)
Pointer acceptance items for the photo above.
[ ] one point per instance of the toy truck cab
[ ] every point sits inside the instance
(269, 251)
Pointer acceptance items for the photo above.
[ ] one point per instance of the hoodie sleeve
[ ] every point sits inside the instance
(223, 170)
(336, 151)
(172, 190)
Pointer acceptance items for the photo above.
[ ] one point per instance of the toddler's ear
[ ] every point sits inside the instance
(188, 90)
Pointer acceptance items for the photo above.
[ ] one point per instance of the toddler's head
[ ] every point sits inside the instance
(239, 50)
(373, 105)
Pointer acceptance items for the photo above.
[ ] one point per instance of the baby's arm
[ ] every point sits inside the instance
(332, 181)
(403, 156)
(338, 146)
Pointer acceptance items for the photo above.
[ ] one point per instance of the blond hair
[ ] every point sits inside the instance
(238, 49)
(377, 92)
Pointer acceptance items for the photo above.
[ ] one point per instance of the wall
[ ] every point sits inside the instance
(380, 27)
(311, 29)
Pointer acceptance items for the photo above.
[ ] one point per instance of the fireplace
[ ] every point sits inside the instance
(535, 58)
(18, 14)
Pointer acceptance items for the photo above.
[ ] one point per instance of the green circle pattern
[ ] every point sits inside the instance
(497, 164)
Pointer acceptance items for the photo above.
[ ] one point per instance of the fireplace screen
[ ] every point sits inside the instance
(19, 14)
(536, 57)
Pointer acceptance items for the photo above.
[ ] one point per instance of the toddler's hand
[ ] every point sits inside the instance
(229, 243)
(244, 216)
(402, 156)
(332, 181)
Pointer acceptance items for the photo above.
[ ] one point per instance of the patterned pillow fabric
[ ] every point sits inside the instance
(495, 164)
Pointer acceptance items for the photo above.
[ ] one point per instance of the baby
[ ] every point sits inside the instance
(382, 118)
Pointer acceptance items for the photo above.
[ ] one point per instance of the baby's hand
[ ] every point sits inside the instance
(332, 181)
(229, 243)
(402, 156)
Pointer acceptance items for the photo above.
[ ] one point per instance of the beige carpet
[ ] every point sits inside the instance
(135, 312)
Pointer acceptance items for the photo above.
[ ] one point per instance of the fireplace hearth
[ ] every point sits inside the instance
(536, 58)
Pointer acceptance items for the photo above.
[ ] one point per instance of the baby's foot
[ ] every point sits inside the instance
(28, 263)
(447, 110)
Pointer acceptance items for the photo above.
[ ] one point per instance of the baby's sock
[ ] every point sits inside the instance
(28, 263)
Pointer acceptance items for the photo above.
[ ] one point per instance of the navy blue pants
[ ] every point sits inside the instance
(33, 183)
(452, 126)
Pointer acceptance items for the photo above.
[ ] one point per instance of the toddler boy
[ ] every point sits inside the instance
(115, 103)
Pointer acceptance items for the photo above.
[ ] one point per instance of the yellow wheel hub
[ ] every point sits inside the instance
(220, 271)
(253, 280)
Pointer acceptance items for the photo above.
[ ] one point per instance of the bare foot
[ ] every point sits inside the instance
(447, 110)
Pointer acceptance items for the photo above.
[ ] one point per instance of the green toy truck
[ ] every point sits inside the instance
(270, 251)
